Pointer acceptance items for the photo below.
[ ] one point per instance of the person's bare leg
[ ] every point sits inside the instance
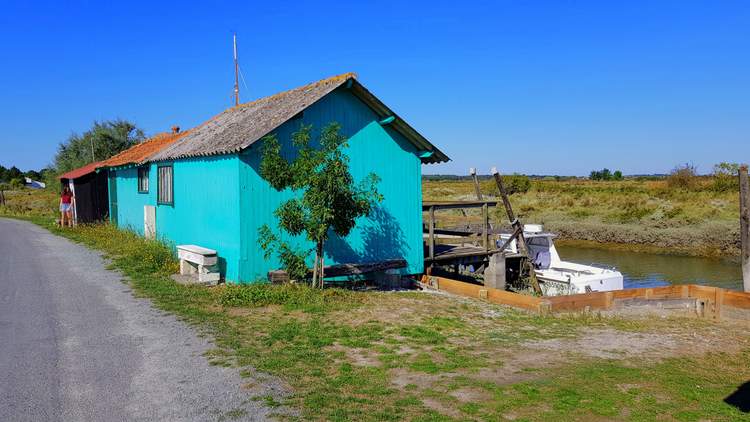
(62, 218)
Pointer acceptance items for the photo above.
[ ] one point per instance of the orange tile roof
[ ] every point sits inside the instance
(140, 152)
(81, 171)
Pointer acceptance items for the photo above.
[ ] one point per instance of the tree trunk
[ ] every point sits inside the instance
(315, 271)
(319, 262)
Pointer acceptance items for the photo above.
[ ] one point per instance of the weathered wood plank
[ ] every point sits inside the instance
(745, 227)
(484, 293)
(339, 270)
(517, 226)
(358, 269)
(451, 205)
(737, 299)
(485, 228)
(432, 233)
(595, 300)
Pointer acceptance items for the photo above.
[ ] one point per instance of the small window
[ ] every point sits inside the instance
(166, 183)
(142, 179)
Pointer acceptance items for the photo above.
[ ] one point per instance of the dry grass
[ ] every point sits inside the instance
(700, 221)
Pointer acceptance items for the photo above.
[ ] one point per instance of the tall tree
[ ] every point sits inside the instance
(102, 141)
(327, 201)
(14, 173)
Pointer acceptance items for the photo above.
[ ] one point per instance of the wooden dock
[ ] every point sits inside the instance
(469, 250)
(436, 252)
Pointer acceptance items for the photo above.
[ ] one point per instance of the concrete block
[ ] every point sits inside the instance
(494, 274)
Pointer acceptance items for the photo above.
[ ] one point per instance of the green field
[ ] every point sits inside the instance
(635, 214)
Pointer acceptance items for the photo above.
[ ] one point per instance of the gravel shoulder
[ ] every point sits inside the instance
(77, 345)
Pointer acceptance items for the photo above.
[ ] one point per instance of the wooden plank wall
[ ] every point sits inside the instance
(715, 300)
(484, 293)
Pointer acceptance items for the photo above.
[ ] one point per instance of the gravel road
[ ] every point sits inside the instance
(75, 345)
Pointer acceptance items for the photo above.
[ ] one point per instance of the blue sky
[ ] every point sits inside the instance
(537, 87)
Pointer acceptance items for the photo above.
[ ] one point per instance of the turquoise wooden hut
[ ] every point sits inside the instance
(206, 189)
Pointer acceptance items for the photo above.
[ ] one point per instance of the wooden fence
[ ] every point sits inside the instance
(715, 302)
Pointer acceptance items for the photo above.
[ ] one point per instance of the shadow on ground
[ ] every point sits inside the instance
(740, 398)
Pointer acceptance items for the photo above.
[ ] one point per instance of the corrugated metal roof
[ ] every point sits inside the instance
(140, 152)
(81, 171)
(238, 127)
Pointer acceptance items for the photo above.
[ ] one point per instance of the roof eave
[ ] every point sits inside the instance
(398, 123)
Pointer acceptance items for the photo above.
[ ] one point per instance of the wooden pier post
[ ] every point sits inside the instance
(432, 234)
(477, 189)
(745, 226)
(485, 227)
(518, 227)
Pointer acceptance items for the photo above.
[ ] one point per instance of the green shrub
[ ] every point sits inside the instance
(725, 177)
(16, 184)
(683, 177)
(516, 183)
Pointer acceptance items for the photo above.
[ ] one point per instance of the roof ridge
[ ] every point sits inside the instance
(344, 76)
(162, 137)
(332, 79)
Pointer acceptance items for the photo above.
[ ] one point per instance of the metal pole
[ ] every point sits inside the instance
(236, 74)
(745, 226)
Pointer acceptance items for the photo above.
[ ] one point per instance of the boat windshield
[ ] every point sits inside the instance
(539, 251)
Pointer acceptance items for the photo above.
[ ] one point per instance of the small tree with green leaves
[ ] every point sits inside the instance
(327, 201)
(725, 177)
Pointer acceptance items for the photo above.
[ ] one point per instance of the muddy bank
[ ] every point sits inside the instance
(712, 239)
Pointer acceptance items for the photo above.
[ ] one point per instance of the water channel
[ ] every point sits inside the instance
(651, 270)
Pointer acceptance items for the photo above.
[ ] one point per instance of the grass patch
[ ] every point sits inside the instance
(291, 296)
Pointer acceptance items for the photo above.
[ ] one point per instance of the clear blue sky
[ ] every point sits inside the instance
(544, 87)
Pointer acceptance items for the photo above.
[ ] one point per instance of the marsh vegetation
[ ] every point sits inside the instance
(680, 214)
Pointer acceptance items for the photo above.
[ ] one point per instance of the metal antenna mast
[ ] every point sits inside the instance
(236, 74)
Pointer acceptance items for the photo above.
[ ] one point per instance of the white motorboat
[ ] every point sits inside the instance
(559, 277)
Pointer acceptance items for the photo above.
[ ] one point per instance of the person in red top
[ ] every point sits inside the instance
(66, 207)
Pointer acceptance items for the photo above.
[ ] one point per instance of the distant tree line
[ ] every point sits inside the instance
(13, 177)
(101, 141)
(605, 174)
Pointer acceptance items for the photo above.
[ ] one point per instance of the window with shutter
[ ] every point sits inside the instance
(143, 179)
(166, 184)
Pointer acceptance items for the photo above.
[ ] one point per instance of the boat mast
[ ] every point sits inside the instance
(236, 73)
